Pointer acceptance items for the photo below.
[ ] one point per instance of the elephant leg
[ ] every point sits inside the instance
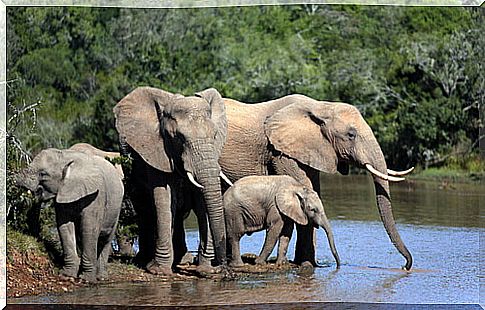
(205, 252)
(105, 245)
(178, 237)
(89, 239)
(305, 240)
(306, 235)
(284, 241)
(270, 241)
(236, 260)
(144, 206)
(67, 234)
(163, 261)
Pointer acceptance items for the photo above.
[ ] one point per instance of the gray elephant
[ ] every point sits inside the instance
(175, 142)
(299, 136)
(91, 150)
(273, 203)
(88, 192)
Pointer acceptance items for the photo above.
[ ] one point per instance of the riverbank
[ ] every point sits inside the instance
(31, 271)
(448, 175)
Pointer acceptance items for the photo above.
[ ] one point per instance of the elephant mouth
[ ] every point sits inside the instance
(43, 195)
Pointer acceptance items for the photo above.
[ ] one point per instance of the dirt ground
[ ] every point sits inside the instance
(30, 274)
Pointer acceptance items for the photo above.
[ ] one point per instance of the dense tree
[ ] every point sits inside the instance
(415, 73)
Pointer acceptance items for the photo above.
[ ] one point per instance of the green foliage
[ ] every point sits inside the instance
(415, 73)
(24, 244)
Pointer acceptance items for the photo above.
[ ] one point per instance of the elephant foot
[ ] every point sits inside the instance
(69, 272)
(155, 268)
(89, 277)
(206, 270)
(219, 272)
(102, 276)
(236, 263)
(306, 268)
(260, 261)
(187, 259)
(282, 261)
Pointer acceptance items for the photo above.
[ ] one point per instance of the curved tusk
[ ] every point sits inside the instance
(392, 172)
(225, 178)
(382, 175)
(192, 179)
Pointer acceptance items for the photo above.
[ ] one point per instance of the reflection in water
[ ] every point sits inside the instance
(414, 202)
(440, 228)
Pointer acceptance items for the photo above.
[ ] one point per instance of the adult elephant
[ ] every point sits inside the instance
(299, 136)
(177, 142)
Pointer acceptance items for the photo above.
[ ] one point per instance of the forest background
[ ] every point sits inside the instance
(416, 74)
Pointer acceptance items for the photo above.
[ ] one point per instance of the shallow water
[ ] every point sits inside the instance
(439, 223)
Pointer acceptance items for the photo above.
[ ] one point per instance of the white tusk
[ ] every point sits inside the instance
(382, 175)
(191, 178)
(225, 178)
(392, 172)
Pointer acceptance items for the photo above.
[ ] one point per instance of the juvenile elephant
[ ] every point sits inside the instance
(88, 193)
(299, 136)
(175, 142)
(273, 203)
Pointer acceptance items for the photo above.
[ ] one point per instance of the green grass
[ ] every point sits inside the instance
(23, 243)
(451, 174)
(469, 168)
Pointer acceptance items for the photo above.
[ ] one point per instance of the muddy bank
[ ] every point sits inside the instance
(33, 273)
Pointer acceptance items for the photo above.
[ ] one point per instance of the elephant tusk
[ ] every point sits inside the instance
(382, 175)
(392, 172)
(192, 180)
(225, 178)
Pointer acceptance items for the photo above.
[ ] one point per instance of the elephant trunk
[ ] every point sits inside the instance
(207, 170)
(328, 230)
(383, 198)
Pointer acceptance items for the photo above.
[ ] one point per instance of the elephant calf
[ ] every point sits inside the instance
(273, 203)
(88, 193)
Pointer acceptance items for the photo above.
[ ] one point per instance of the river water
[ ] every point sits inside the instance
(439, 222)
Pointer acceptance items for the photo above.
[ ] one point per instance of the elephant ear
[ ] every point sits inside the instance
(138, 123)
(297, 132)
(218, 116)
(288, 203)
(78, 181)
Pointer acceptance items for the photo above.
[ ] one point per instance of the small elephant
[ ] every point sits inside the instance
(273, 203)
(88, 193)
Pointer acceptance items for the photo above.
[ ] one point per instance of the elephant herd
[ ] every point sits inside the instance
(240, 167)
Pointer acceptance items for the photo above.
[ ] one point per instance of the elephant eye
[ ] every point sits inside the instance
(43, 174)
(351, 134)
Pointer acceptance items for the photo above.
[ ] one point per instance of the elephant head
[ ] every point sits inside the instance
(303, 205)
(178, 134)
(62, 174)
(329, 137)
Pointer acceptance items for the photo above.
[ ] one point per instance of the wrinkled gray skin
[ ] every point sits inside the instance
(273, 203)
(170, 135)
(91, 150)
(301, 137)
(88, 192)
